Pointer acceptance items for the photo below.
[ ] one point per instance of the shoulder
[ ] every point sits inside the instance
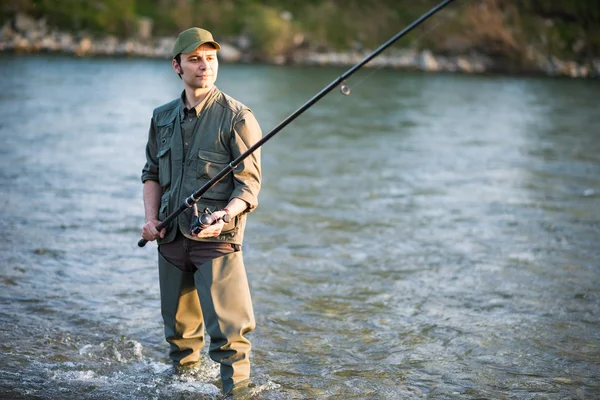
(229, 103)
(166, 112)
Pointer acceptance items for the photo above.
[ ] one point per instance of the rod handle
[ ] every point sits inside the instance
(142, 242)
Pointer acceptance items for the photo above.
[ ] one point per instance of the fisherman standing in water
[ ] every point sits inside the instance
(203, 282)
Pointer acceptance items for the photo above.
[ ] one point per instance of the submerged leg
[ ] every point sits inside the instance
(225, 297)
(181, 312)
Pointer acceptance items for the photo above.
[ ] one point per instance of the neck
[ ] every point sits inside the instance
(193, 96)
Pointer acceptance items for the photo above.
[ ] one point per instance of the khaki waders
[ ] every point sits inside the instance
(216, 296)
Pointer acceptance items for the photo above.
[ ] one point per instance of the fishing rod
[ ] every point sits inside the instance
(194, 197)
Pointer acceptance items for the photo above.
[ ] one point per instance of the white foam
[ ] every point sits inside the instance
(81, 376)
(158, 367)
(122, 351)
(193, 387)
(262, 388)
(86, 350)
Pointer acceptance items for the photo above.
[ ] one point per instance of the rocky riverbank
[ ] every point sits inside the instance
(26, 35)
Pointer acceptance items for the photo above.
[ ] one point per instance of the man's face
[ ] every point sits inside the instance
(199, 68)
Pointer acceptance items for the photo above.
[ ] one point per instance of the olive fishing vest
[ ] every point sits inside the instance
(207, 155)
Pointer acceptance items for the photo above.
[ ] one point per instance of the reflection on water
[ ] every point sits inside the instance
(430, 236)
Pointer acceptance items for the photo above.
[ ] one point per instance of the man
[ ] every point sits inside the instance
(203, 282)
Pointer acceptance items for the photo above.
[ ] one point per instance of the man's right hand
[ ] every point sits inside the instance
(149, 231)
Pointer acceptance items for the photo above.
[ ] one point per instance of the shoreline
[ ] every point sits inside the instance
(34, 37)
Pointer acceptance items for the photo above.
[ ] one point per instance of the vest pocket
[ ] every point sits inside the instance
(163, 145)
(164, 206)
(210, 164)
(164, 165)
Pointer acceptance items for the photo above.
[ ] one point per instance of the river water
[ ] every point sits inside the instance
(428, 237)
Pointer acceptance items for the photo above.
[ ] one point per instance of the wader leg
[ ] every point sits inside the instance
(225, 297)
(181, 312)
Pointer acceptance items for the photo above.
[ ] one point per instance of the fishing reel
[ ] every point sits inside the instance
(205, 220)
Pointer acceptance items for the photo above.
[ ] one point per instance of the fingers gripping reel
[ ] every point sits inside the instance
(205, 220)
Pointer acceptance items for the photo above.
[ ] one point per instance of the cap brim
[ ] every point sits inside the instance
(194, 46)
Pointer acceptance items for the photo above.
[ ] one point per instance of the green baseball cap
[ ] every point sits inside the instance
(190, 39)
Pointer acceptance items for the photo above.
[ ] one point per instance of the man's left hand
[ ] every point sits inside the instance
(215, 228)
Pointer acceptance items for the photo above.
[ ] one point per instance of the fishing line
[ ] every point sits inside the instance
(346, 89)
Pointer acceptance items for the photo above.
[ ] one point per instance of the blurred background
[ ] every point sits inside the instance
(434, 235)
(559, 37)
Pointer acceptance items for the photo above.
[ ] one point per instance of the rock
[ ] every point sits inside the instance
(480, 63)
(570, 69)
(402, 61)
(20, 44)
(548, 68)
(66, 43)
(277, 60)
(125, 48)
(243, 42)
(298, 39)
(24, 23)
(164, 48)
(407, 58)
(554, 67)
(285, 15)
(38, 31)
(6, 32)
(144, 28)
(337, 58)
(464, 65)
(445, 64)
(229, 53)
(106, 46)
(314, 59)
(49, 43)
(84, 47)
(428, 61)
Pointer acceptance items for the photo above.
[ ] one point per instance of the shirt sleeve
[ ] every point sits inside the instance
(247, 175)
(150, 170)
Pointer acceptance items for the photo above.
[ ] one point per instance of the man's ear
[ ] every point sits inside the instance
(176, 66)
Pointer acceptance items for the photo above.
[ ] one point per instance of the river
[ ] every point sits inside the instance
(430, 236)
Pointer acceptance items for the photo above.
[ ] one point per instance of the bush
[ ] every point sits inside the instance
(271, 30)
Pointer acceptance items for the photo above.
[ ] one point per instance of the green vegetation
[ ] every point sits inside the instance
(514, 30)
(116, 17)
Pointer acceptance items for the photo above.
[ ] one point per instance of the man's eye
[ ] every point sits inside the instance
(193, 59)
